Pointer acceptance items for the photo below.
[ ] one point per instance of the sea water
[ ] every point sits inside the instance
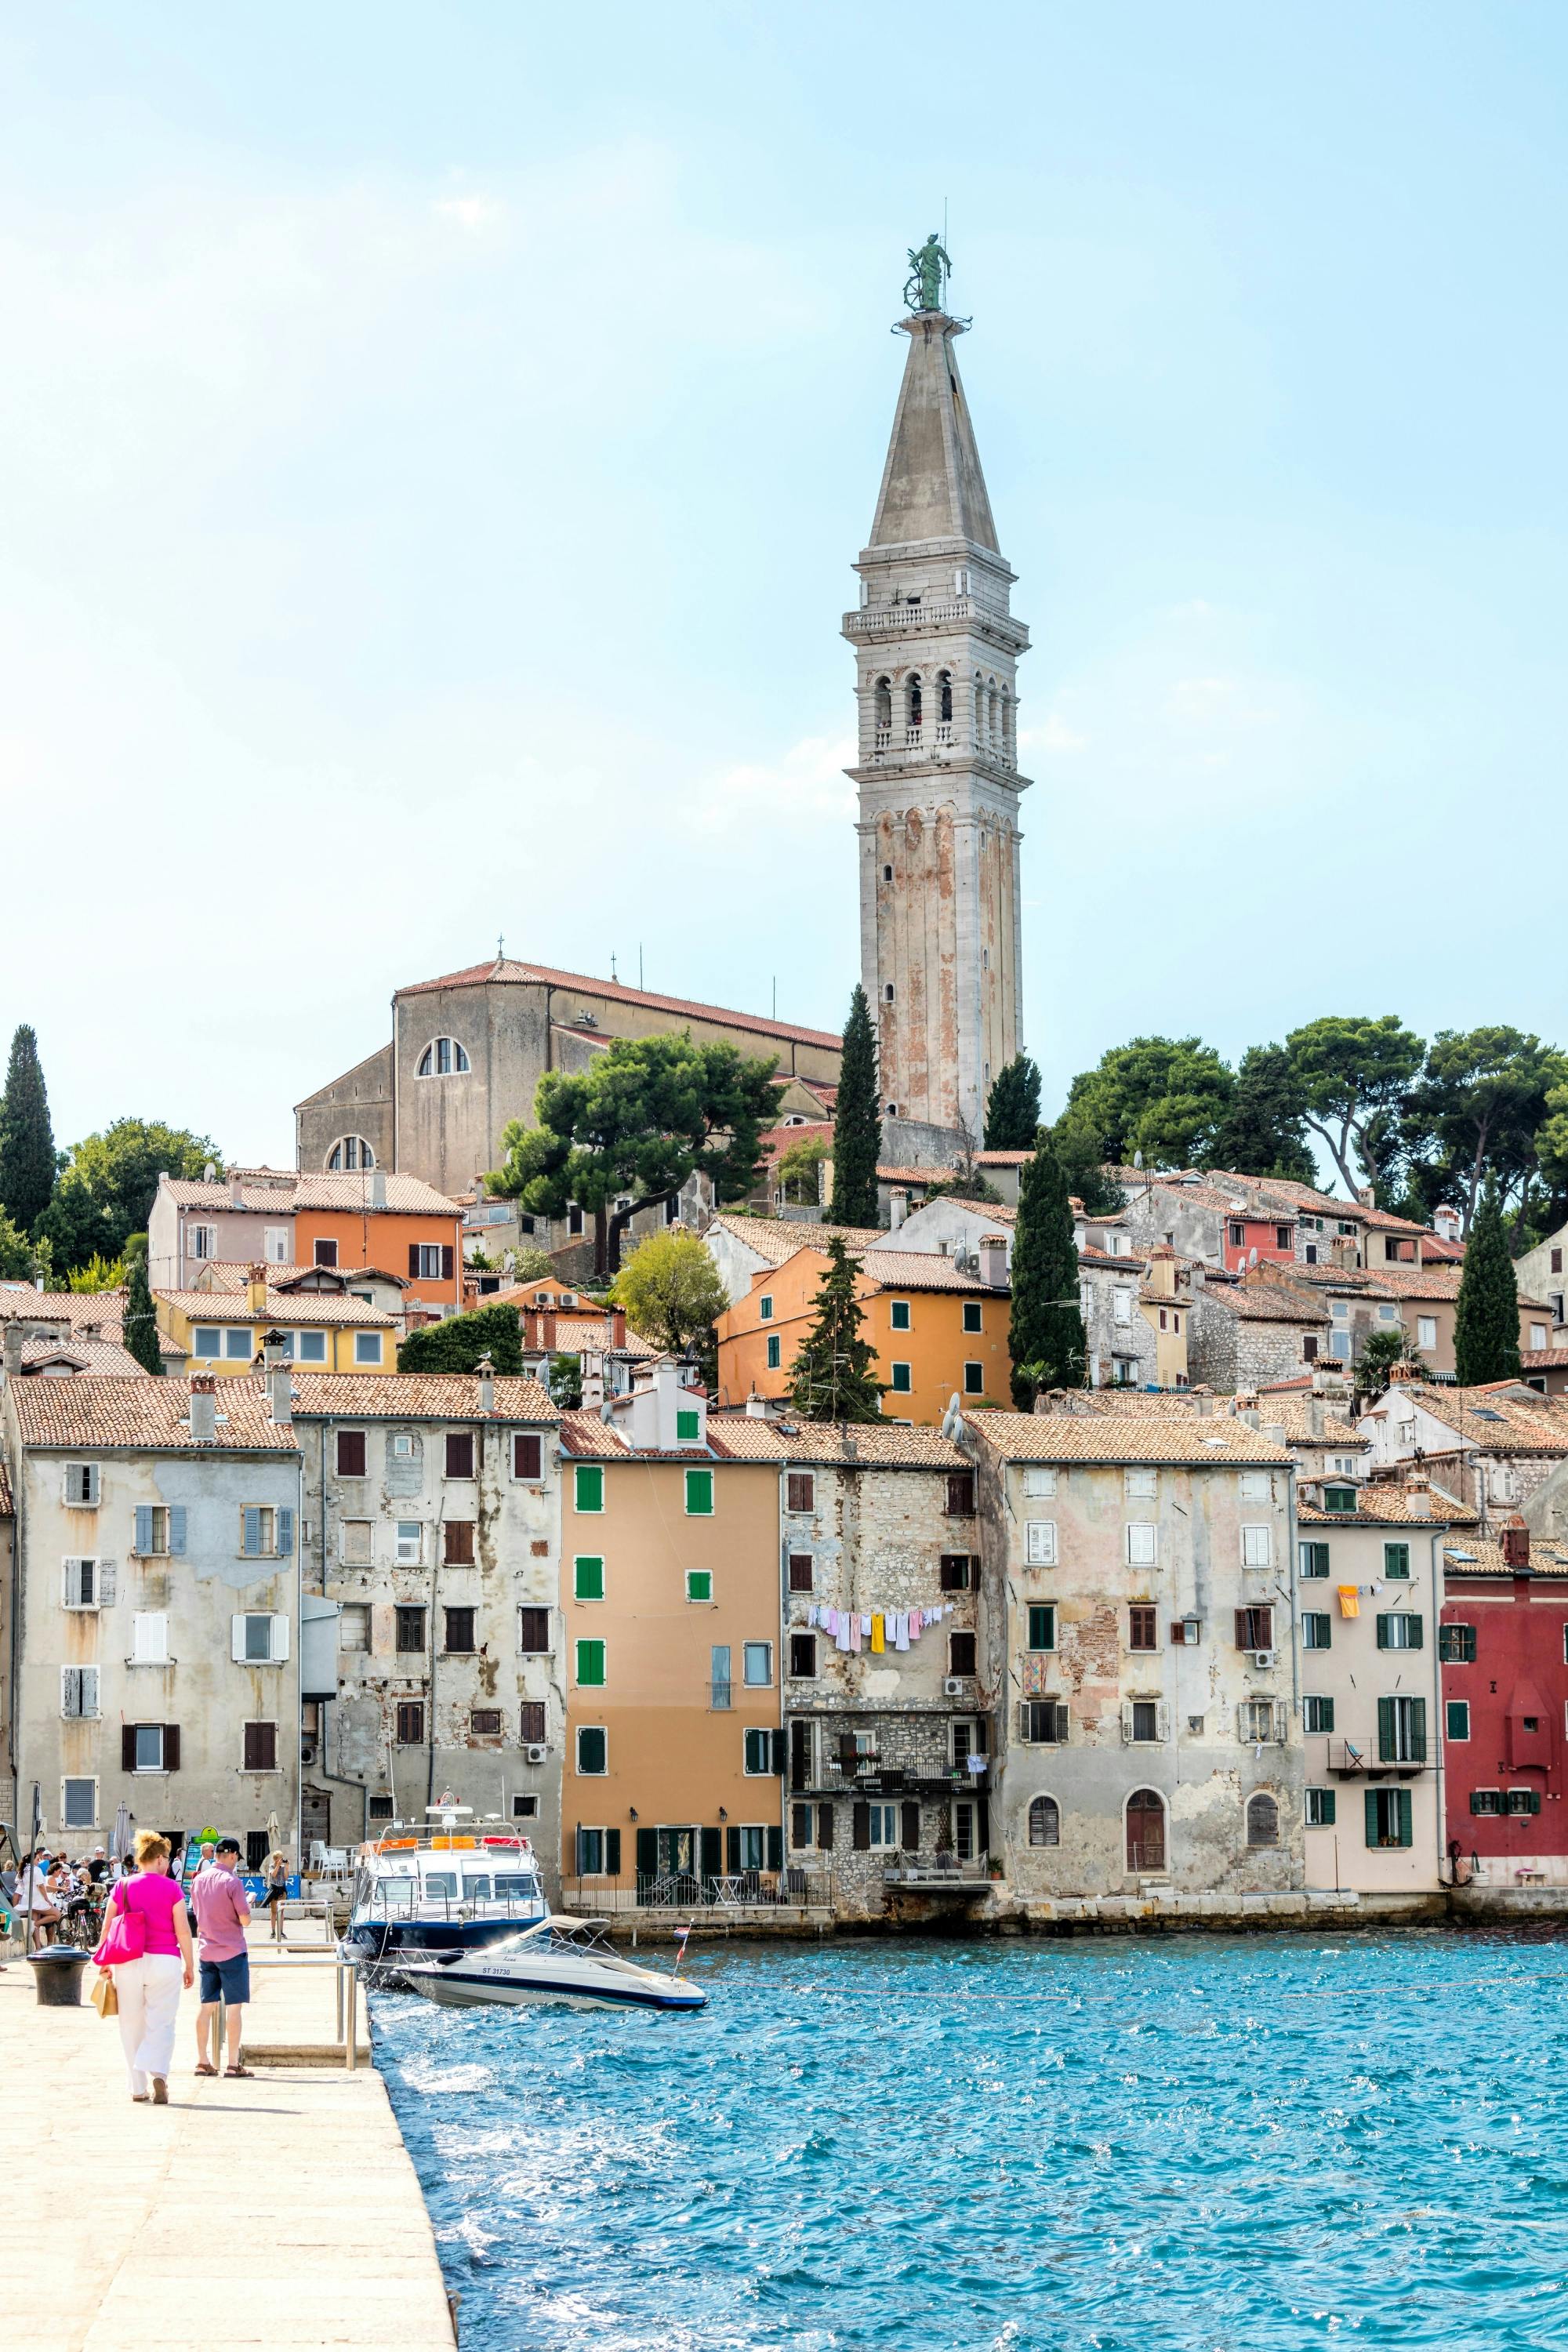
(1235, 2144)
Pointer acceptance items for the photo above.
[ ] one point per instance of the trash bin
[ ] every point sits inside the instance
(56, 1972)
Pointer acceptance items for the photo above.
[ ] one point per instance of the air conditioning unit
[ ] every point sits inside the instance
(536, 1753)
(952, 1687)
(1266, 1658)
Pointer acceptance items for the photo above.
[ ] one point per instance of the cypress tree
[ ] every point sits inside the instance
(1486, 1323)
(833, 1378)
(1013, 1106)
(139, 1321)
(857, 1121)
(26, 1138)
(1045, 1336)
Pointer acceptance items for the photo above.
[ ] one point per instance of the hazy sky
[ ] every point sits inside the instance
(436, 440)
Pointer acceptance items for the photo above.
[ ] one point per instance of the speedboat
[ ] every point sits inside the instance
(564, 1960)
(449, 1888)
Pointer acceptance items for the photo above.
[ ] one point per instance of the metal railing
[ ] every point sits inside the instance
(689, 1892)
(347, 1988)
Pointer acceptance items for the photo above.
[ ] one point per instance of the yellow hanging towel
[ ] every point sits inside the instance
(877, 1642)
(1349, 1600)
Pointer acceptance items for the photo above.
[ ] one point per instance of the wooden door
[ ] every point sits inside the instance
(1145, 1830)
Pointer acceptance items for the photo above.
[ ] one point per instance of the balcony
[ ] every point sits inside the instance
(877, 620)
(1349, 1759)
(936, 1874)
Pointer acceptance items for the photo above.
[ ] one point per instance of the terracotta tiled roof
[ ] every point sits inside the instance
(916, 1175)
(1502, 1419)
(1470, 1556)
(414, 1396)
(86, 1414)
(20, 1303)
(284, 1191)
(1435, 1251)
(1205, 1441)
(1090, 1255)
(1382, 1504)
(282, 1306)
(897, 1269)
(1003, 1159)
(871, 1445)
(231, 1274)
(104, 1355)
(509, 969)
(1545, 1359)
(8, 1507)
(577, 1333)
(777, 1240)
(1266, 1301)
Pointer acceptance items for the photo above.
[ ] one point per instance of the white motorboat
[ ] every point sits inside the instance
(449, 1886)
(561, 1959)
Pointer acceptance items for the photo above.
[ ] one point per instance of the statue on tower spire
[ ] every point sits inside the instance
(929, 265)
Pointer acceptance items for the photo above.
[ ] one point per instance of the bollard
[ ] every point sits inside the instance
(56, 1972)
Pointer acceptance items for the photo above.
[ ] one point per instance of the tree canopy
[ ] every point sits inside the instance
(1486, 1321)
(457, 1344)
(26, 1138)
(857, 1121)
(633, 1126)
(1013, 1106)
(1044, 1334)
(670, 1289)
(106, 1191)
(1477, 1111)
(834, 1376)
(1353, 1072)
(1261, 1133)
(1164, 1097)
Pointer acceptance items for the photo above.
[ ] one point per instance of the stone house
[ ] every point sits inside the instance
(155, 1648)
(1243, 1334)
(431, 1521)
(1369, 1594)
(889, 1726)
(360, 1215)
(1539, 1274)
(1138, 1638)
(743, 1247)
(1498, 1449)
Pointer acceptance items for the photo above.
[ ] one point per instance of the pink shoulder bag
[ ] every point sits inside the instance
(124, 1932)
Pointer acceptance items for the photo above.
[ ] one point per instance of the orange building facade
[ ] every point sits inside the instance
(937, 1332)
(670, 1595)
(424, 1248)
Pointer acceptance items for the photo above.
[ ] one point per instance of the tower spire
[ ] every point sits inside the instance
(936, 650)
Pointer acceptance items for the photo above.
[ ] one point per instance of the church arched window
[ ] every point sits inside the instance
(916, 700)
(944, 696)
(443, 1058)
(351, 1151)
(884, 702)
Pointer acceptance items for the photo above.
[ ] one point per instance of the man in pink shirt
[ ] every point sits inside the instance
(222, 1911)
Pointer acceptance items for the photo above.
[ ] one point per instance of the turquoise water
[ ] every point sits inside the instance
(1230, 2145)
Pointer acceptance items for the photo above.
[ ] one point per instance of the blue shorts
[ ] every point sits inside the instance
(230, 1979)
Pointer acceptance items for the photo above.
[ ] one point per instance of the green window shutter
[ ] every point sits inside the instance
(648, 1852)
(612, 1853)
(1384, 1731)
(700, 1494)
(591, 1664)
(591, 1749)
(1396, 1559)
(1417, 1733)
(775, 1846)
(588, 1579)
(733, 1849)
(774, 1355)
(700, 1584)
(1415, 1633)
(1327, 1808)
(1457, 1719)
(1042, 1627)
(687, 1428)
(713, 1853)
(1405, 1829)
(1382, 1632)
(1373, 1837)
(590, 1487)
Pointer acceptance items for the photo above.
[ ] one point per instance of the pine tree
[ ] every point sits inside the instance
(1486, 1323)
(139, 1321)
(26, 1138)
(1045, 1336)
(834, 1376)
(857, 1122)
(1013, 1106)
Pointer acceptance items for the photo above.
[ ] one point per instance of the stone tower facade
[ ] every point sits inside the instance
(936, 650)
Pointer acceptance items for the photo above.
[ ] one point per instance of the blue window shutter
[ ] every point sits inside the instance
(286, 1534)
(252, 1532)
(176, 1528)
(143, 1528)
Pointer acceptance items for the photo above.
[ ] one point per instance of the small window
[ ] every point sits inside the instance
(1316, 1713)
(1039, 1480)
(1256, 1546)
(757, 1747)
(204, 1241)
(324, 1253)
(1044, 1822)
(1142, 1626)
(1397, 1561)
(460, 1453)
(459, 1641)
(457, 1543)
(1457, 1644)
(411, 1723)
(1486, 1802)
(1339, 1498)
(367, 1347)
(353, 1625)
(1255, 1628)
(1457, 1718)
(592, 1750)
(1042, 1625)
(973, 1315)
(260, 1747)
(961, 1654)
(961, 1493)
(1045, 1722)
(527, 1456)
(1522, 1801)
(485, 1722)
(955, 1571)
(587, 1577)
(1322, 1808)
(774, 1353)
(350, 1453)
(1401, 1630)
(205, 1343)
(349, 1151)
(1389, 1817)
(1144, 1721)
(700, 1584)
(588, 1486)
(380, 1808)
(1040, 1542)
(531, 1722)
(1317, 1629)
(898, 1314)
(800, 1492)
(442, 1058)
(801, 1579)
(410, 1636)
(236, 1343)
(902, 1380)
(1141, 1544)
(590, 1673)
(1140, 1484)
(687, 1428)
(533, 1633)
(700, 1494)
(354, 1542)
(79, 1804)
(757, 1664)
(1262, 1820)
(1314, 1557)
(802, 1656)
(311, 1346)
(766, 1308)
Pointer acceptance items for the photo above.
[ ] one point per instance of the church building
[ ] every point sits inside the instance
(936, 650)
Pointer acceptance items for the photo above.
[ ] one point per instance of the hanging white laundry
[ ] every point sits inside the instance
(841, 1629)
(901, 1630)
(864, 1624)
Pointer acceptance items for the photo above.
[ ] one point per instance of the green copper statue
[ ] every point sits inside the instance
(927, 269)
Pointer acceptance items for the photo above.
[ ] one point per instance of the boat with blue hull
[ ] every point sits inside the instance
(441, 1891)
(562, 1959)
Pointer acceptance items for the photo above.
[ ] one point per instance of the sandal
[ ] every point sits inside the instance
(204, 2069)
(160, 2091)
(244, 2072)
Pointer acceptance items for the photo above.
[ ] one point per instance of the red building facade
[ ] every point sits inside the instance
(1503, 1651)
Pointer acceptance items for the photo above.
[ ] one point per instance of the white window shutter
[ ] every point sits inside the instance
(1163, 1720)
(280, 1635)
(92, 1483)
(1126, 1722)
(236, 1640)
(70, 1583)
(149, 1636)
(70, 1690)
(89, 1689)
(107, 1584)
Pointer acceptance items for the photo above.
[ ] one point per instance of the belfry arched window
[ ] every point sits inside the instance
(351, 1151)
(443, 1058)
(944, 696)
(884, 702)
(916, 700)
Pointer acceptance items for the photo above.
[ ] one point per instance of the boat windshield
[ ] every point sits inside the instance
(516, 1881)
(440, 1882)
(476, 1890)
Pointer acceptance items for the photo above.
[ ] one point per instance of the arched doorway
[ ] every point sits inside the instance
(1145, 1830)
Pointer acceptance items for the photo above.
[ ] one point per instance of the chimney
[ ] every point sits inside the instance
(487, 1373)
(1368, 1195)
(547, 1332)
(1418, 1496)
(277, 1378)
(236, 1190)
(1446, 1224)
(593, 1391)
(617, 1327)
(994, 1261)
(1315, 1416)
(1274, 1430)
(758, 1408)
(255, 1290)
(1514, 1538)
(204, 1407)
(898, 1207)
(1203, 1403)
(13, 1339)
(378, 1186)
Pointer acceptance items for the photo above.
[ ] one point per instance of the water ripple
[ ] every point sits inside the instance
(1201, 2145)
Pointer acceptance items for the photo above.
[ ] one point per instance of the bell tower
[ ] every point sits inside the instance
(936, 652)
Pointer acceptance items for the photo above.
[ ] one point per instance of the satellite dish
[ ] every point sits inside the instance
(1137, 1159)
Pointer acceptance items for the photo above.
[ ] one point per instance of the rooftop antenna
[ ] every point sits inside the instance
(613, 974)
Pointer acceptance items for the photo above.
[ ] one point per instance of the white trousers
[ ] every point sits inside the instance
(148, 1994)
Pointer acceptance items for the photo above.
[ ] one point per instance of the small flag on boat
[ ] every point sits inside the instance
(680, 1944)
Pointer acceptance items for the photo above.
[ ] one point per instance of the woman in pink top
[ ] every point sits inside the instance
(148, 1990)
